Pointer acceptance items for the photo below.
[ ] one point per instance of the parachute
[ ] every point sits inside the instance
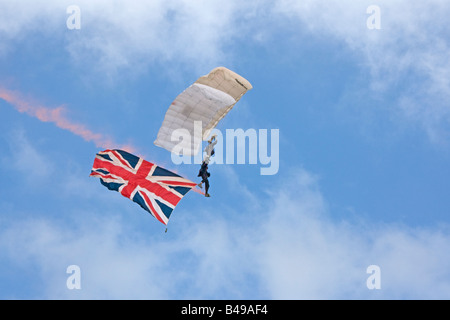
(208, 101)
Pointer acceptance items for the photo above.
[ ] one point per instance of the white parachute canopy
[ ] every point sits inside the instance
(208, 100)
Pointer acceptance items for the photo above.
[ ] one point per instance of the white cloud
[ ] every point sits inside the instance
(110, 265)
(118, 34)
(407, 59)
(25, 158)
(310, 254)
(22, 20)
(133, 36)
(408, 56)
(293, 249)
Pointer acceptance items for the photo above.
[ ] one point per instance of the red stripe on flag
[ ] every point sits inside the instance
(152, 209)
(138, 179)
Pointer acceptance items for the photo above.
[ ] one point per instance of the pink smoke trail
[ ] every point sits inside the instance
(57, 117)
(198, 191)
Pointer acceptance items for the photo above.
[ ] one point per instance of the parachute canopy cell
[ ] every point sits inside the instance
(208, 101)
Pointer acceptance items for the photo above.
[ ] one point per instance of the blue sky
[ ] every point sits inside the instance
(363, 176)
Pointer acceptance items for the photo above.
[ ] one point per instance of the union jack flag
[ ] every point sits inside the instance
(155, 189)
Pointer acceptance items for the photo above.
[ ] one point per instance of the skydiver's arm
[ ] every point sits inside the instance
(213, 138)
(209, 148)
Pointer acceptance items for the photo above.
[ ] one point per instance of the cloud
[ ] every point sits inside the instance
(21, 20)
(58, 117)
(111, 266)
(307, 253)
(136, 35)
(117, 36)
(293, 249)
(24, 158)
(407, 58)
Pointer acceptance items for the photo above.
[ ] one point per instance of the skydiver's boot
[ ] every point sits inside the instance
(207, 195)
(200, 185)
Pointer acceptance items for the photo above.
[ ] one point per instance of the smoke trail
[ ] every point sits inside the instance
(57, 117)
(198, 191)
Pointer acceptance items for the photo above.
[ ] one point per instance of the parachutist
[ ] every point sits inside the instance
(204, 174)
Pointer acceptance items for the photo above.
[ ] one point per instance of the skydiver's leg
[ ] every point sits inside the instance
(206, 186)
(206, 181)
(201, 173)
